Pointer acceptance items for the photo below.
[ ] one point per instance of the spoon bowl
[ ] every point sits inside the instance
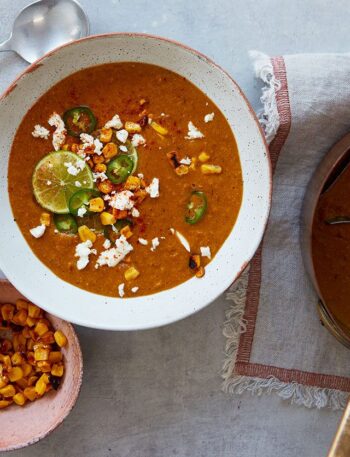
(44, 25)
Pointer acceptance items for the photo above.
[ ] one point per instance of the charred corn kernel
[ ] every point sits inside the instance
(195, 261)
(30, 393)
(105, 186)
(193, 163)
(33, 311)
(8, 391)
(203, 157)
(6, 360)
(41, 328)
(22, 383)
(30, 322)
(41, 353)
(40, 387)
(90, 163)
(21, 304)
(4, 404)
(132, 183)
(159, 128)
(110, 150)
(26, 368)
(182, 170)
(96, 205)
(19, 399)
(131, 273)
(208, 169)
(65, 147)
(7, 312)
(142, 101)
(47, 338)
(19, 342)
(55, 356)
(100, 168)
(107, 218)
(45, 219)
(32, 380)
(140, 195)
(20, 317)
(132, 127)
(98, 159)
(74, 147)
(45, 367)
(126, 232)
(200, 272)
(30, 344)
(17, 359)
(106, 135)
(57, 370)
(15, 374)
(26, 332)
(120, 214)
(86, 234)
(6, 346)
(60, 338)
(4, 380)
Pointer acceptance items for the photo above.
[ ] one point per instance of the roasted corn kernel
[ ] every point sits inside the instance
(208, 169)
(107, 218)
(159, 128)
(96, 205)
(126, 232)
(60, 338)
(131, 273)
(45, 219)
(132, 127)
(19, 399)
(106, 135)
(110, 150)
(203, 157)
(132, 183)
(86, 234)
(182, 170)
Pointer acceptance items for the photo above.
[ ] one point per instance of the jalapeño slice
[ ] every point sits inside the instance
(81, 199)
(65, 223)
(120, 168)
(196, 207)
(79, 120)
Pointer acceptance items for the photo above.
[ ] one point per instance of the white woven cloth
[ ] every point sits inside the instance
(306, 109)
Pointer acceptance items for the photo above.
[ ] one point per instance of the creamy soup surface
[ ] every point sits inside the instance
(126, 226)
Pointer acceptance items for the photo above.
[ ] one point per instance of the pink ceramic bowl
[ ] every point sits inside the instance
(21, 426)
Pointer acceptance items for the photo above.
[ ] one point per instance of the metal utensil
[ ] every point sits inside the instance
(44, 25)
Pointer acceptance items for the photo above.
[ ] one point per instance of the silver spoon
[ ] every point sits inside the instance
(44, 25)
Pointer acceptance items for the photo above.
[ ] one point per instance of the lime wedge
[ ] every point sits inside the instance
(54, 183)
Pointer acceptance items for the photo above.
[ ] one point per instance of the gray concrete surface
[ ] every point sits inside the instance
(157, 393)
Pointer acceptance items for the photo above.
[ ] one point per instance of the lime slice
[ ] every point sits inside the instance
(53, 185)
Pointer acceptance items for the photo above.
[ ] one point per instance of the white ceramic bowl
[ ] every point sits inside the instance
(39, 284)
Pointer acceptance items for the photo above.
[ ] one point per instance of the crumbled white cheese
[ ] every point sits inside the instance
(122, 200)
(80, 164)
(71, 169)
(209, 117)
(114, 123)
(155, 244)
(83, 250)
(98, 146)
(205, 251)
(102, 176)
(183, 240)
(87, 139)
(134, 289)
(77, 184)
(90, 142)
(81, 211)
(186, 161)
(193, 133)
(40, 132)
(141, 175)
(137, 140)
(153, 188)
(111, 257)
(107, 244)
(143, 241)
(59, 135)
(48, 182)
(38, 231)
(135, 212)
(172, 230)
(123, 148)
(107, 197)
(122, 135)
(121, 290)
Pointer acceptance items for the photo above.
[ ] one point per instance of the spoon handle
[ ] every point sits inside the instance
(6, 45)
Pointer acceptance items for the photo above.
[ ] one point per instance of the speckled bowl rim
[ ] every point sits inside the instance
(262, 226)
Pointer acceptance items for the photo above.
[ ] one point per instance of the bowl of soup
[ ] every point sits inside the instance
(326, 238)
(135, 185)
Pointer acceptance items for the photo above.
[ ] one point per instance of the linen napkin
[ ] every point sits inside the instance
(275, 341)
